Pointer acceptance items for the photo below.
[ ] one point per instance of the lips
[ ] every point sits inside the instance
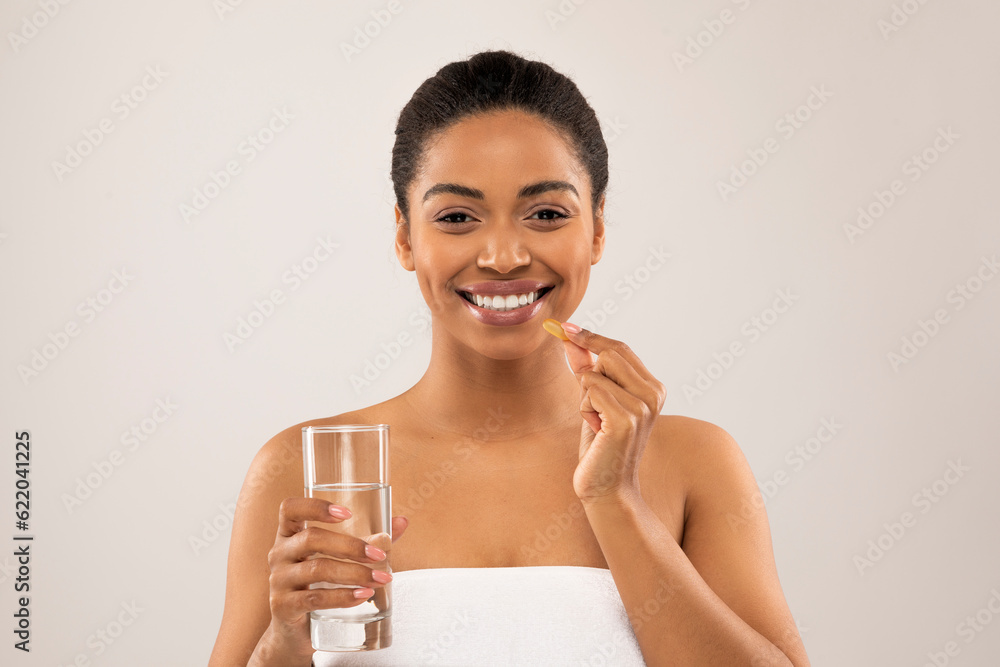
(506, 302)
(507, 317)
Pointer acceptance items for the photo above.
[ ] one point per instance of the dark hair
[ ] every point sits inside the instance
(496, 81)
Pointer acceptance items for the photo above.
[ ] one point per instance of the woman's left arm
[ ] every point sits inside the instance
(717, 600)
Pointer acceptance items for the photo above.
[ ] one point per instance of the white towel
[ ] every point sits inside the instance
(486, 616)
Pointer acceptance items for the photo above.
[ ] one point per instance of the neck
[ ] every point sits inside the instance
(466, 393)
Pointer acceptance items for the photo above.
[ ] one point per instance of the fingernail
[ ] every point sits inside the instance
(374, 552)
(554, 328)
(361, 593)
(570, 327)
(381, 577)
(340, 512)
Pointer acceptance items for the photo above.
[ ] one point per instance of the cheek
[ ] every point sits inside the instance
(435, 267)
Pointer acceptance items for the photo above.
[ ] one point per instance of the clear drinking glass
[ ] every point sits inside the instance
(349, 465)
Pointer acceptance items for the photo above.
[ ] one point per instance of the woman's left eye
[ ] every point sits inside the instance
(549, 210)
(456, 222)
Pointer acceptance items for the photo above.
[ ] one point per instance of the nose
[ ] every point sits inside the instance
(504, 251)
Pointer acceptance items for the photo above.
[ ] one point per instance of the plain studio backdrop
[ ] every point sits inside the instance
(195, 246)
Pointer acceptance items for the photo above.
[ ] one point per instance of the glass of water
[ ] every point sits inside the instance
(349, 465)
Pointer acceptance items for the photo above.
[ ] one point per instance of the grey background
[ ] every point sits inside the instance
(674, 133)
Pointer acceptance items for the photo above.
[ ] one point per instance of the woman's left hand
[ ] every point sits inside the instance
(620, 402)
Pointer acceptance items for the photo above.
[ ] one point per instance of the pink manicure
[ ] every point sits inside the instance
(340, 512)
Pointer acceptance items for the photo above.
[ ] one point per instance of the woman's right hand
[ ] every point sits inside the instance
(292, 569)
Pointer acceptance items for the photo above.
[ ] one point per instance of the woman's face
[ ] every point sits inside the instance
(500, 198)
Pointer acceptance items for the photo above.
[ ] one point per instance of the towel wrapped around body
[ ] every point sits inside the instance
(486, 616)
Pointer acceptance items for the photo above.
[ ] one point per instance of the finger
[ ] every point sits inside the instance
(294, 512)
(612, 365)
(329, 542)
(300, 575)
(302, 602)
(580, 359)
(600, 403)
(597, 343)
(399, 524)
(625, 403)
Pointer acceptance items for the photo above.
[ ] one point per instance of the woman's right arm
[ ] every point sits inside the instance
(268, 600)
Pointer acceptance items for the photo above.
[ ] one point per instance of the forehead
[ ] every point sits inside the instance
(501, 147)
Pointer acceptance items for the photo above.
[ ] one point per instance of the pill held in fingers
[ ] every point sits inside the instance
(340, 512)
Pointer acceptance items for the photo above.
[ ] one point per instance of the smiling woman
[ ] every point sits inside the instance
(583, 527)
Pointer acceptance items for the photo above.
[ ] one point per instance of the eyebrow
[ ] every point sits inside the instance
(525, 192)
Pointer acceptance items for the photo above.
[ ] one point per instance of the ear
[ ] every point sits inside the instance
(597, 251)
(403, 250)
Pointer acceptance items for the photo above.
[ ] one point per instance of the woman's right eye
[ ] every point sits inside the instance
(451, 215)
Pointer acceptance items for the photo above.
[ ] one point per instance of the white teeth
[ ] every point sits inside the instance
(502, 303)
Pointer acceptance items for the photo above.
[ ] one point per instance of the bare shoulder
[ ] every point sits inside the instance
(274, 474)
(278, 462)
(686, 453)
(726, 535)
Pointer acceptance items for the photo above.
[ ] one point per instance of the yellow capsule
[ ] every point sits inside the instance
(554, 328)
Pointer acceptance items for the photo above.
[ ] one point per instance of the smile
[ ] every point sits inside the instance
(510, 309)
(504, 303)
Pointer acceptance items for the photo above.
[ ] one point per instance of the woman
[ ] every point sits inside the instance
(556, 479)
